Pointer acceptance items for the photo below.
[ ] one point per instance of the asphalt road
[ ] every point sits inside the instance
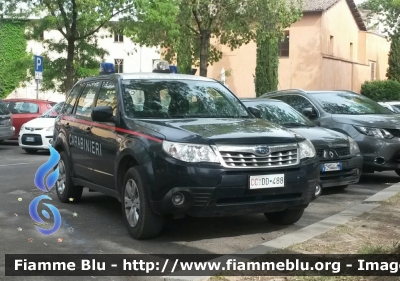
(97, 226)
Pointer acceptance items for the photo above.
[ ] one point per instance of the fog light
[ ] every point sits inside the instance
(178, 199)
(357, 172)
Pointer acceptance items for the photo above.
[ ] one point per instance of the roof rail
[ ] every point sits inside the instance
(285, 90)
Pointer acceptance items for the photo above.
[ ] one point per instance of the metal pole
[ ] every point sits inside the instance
(37, 89)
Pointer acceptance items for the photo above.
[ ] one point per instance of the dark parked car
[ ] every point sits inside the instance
(167, 145)
(6, 123)
(375, 128)
(339, 156)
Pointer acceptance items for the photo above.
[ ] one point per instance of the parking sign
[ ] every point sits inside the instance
(38, 64)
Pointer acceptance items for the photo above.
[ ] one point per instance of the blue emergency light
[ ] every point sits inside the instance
(107, 68)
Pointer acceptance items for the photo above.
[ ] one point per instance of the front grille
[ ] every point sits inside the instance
(246, 156)
(394, 132)
(33, 129)
(343, 151)
(37, 139)
(340, 151)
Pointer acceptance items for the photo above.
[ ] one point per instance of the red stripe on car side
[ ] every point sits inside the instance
(111, 128)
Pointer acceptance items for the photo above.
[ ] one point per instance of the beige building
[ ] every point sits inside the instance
(329, 48)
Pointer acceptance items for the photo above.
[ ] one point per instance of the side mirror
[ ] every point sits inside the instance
(309, 112)
(255, 111)
(102, 113)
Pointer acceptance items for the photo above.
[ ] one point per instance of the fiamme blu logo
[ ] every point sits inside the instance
(45, 178)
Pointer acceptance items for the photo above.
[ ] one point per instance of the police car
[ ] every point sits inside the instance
(170, 145)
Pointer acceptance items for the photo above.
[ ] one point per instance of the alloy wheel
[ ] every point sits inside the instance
(61, 178)
(132, 203)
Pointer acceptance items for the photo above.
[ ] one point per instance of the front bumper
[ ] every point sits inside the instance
(379, 154)
(350, 173)
(36, 139)
(216, 191)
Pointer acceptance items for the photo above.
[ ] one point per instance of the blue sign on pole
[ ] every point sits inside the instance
(38, 64)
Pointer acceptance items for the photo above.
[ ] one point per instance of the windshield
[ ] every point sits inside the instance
(281, 113)
(53, 112)
(347, 103)
(180, 99)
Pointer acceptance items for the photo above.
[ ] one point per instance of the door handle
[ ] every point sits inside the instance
(88, 129)
(67, 126)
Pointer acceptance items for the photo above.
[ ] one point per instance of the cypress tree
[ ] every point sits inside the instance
(393, 71)
(266, 78)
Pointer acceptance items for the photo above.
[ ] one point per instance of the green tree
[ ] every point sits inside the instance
(393, 71)
(387, 12)
(228, 22)
(78, 22)
(266, 78)
(278, 16)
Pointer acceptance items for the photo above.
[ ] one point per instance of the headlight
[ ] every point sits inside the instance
(374, 132)
(190, 152)
(307, 149)
(50, 128)
(354, 149)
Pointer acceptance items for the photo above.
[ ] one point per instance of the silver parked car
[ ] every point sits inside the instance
(7, 129)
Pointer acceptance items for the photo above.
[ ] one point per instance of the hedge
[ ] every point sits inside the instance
(12, 54)
(381, 90)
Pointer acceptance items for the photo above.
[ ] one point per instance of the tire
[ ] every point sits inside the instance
(30, 151)
(285, 217)
(397, 172)
(140, 220)
(67, 192)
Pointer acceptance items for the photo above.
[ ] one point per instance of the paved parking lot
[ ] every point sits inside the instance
(98, 226)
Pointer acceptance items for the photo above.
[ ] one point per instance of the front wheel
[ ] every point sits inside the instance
(285, 217)
(66, 190)
(140, 220)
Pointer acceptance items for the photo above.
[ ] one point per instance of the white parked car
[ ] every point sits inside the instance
(392, 105)
(37, 134)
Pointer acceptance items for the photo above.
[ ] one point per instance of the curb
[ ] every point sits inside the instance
(303, 234)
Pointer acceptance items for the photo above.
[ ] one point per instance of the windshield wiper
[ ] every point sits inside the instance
(292, 124)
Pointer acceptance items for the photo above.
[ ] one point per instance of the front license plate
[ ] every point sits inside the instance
(30, 139)
(267, 181)
(327, 167)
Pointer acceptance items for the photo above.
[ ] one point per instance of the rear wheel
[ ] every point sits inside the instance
(140, 220)
(66, 190)
(285, 217)
(30, 151)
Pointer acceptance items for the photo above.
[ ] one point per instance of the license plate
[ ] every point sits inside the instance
(31, 139)
(327, 167)
(267, 181)
(2, 122)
